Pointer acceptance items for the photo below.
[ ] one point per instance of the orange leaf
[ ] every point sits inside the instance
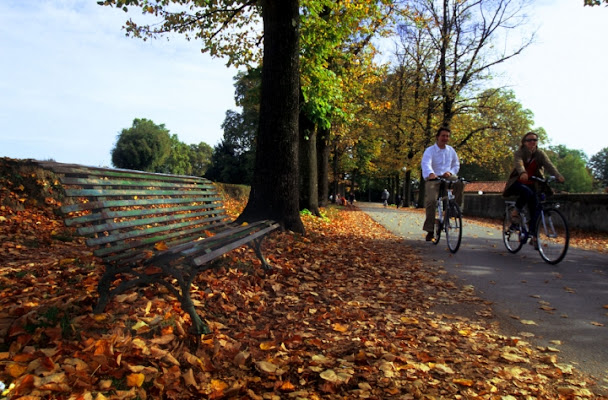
(288, 387)
(135, 380)
(463, 382)
(267, 345)
(160, 246)
(340, 328)
(16, 370)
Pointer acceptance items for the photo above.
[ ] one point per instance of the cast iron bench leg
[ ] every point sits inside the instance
(257, 246)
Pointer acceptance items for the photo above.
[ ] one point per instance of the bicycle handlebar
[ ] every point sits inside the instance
(546, 180)
(441, 178)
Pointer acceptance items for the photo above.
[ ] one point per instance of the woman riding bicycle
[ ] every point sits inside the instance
(528, 161)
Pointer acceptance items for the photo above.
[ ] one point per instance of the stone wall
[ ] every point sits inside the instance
(582, 211)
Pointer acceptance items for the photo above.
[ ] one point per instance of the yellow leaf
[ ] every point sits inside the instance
(160, 246)
(340, 328)
(135, 380)
(463, 382)
(16, 370)
(218, 385)
(139, 325)
(409, 320)
(244, 224)
(527, 322)
(267, 345)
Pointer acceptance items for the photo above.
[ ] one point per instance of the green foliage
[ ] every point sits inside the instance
(226, 28)
(200, 158)
(228, 166)
(149, 147)
(178, 161)
(599, 166)
(233, 159)
(592, 3)
(572, 165)
(145, 146)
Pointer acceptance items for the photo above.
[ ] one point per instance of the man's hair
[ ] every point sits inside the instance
(443, 128)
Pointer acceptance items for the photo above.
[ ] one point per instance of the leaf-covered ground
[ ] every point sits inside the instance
(346, 314)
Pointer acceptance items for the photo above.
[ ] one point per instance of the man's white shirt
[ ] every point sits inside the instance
(439, 161)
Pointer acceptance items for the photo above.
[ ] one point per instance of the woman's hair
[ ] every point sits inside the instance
(523, 139)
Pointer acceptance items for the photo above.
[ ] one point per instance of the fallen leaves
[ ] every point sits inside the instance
(346, 313)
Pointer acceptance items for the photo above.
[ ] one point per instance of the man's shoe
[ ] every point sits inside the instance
(429, 236)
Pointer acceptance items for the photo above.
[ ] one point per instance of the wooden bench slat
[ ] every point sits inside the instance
(121, 254)
(214, 202)
(230, 246)
(130, 234)
(76, 169)
(110, 225)
(131, 192)
(135, 183)
(97, 216)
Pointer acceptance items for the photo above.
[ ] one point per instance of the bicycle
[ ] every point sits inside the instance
(552, 233)
(448, 216)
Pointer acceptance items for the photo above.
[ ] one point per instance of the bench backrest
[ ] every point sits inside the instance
(127, 215)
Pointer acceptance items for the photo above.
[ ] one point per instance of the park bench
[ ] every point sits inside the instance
(152, 228)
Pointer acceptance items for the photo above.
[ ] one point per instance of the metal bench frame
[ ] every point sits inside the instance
(152, 228)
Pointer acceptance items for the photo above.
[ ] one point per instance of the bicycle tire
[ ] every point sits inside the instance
(552, 235)
(511, 232)
(453, 227)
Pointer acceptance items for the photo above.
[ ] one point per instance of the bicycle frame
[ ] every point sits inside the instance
(449, 216)
(552, 233)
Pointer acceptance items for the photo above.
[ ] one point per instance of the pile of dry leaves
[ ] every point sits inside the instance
(345, 314)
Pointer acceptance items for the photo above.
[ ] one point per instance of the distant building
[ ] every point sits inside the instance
(485, 187)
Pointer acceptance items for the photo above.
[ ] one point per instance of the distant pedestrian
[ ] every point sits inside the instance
(398, 200)
(385, 196)
(351, 198)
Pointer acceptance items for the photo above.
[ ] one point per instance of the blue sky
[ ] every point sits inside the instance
(70, 80)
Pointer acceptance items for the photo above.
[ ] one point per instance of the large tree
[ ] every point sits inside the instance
(228, 28)
(145, 146)
(572, 164)
(599, 166)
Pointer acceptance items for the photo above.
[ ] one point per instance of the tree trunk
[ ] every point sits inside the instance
(274, 190)
(309, 190)
(323, 165)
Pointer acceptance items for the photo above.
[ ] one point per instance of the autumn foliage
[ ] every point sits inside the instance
(346, 313)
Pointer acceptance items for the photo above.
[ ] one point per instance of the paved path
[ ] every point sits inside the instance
(573, 294)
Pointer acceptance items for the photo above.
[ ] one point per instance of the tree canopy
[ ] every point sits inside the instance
(599, 166)
(144, 146)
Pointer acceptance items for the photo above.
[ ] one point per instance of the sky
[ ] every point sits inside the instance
(71, 81)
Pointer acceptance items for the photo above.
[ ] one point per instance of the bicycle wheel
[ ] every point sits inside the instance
(552, 235)
(453, 227)
(511, 232)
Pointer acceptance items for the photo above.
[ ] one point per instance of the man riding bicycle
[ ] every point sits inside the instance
(528, 161)
(438, 160)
